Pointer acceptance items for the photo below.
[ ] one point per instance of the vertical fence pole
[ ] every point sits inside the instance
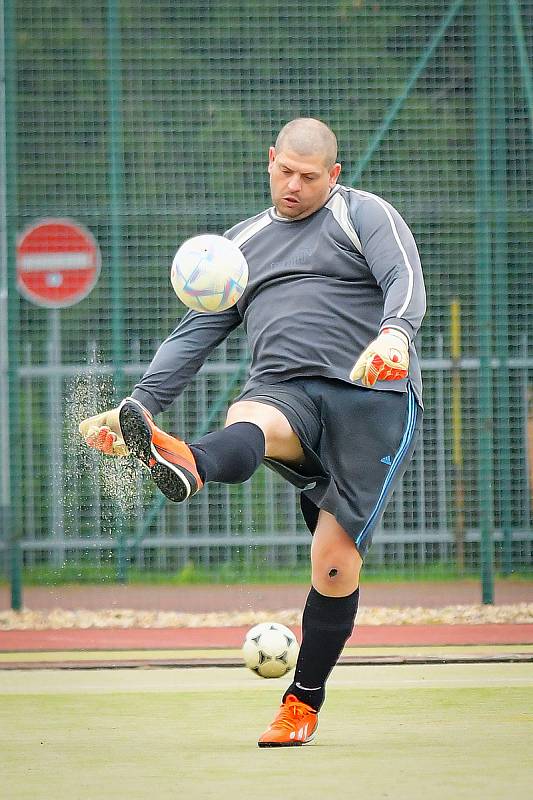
(527, 483)
(457, 426)
(483, 231)
(116, 199)
(501, 288)
(56, 417)
(440, 453)
(5, 502)
(12, 502)
(29, 461)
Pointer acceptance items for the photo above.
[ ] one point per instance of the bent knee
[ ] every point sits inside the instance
(268, 418)
(336, 577)
(281, 442)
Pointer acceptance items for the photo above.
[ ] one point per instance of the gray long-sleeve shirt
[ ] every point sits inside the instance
(320, 289)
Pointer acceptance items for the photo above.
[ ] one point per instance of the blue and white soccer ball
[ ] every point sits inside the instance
(270, 649)
(209, 273)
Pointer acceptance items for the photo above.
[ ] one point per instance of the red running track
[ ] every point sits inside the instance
(192, 638)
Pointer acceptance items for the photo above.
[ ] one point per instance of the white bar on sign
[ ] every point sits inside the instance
(35, 262)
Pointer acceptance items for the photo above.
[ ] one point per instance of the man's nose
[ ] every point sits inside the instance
(295, 183)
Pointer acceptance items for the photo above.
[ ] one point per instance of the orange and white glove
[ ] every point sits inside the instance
(385, 359)
(102, 432)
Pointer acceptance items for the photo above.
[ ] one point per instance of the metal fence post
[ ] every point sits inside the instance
(501, 285)
(116, 199)
(483, 241)
(11, 471)
(55, 438)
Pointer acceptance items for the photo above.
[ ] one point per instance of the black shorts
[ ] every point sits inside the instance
(357, 442)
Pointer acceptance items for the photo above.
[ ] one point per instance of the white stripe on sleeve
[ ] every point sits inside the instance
(405, 257)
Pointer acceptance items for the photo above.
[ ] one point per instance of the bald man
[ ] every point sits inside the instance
(335, 277)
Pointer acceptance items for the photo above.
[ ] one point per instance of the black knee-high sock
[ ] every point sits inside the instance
(326, 625)
(230, 455)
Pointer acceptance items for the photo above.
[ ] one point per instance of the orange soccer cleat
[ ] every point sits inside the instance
(170, 460)
(295, 724)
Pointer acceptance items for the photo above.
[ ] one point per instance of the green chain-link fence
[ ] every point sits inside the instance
(147, 123)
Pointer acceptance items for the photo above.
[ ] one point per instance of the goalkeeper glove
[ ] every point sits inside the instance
(385, 359)
(102, 432)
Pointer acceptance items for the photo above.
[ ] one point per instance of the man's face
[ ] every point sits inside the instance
(299, 185)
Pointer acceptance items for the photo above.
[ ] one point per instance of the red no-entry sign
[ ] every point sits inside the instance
(58, 263)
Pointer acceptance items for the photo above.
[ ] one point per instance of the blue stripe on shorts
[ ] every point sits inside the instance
(407, 438)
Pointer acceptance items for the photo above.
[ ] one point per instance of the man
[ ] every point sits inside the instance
(334, 275)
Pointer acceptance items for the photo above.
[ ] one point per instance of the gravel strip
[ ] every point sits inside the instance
(130, 618)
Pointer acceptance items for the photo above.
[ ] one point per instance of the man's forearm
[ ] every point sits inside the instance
(181, 356)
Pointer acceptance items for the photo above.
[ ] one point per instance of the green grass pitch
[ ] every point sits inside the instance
(436, 731)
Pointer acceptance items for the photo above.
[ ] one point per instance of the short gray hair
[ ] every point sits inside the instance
(308, 136)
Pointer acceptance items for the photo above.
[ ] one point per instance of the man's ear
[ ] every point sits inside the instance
(334, 173)
(271, 158)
